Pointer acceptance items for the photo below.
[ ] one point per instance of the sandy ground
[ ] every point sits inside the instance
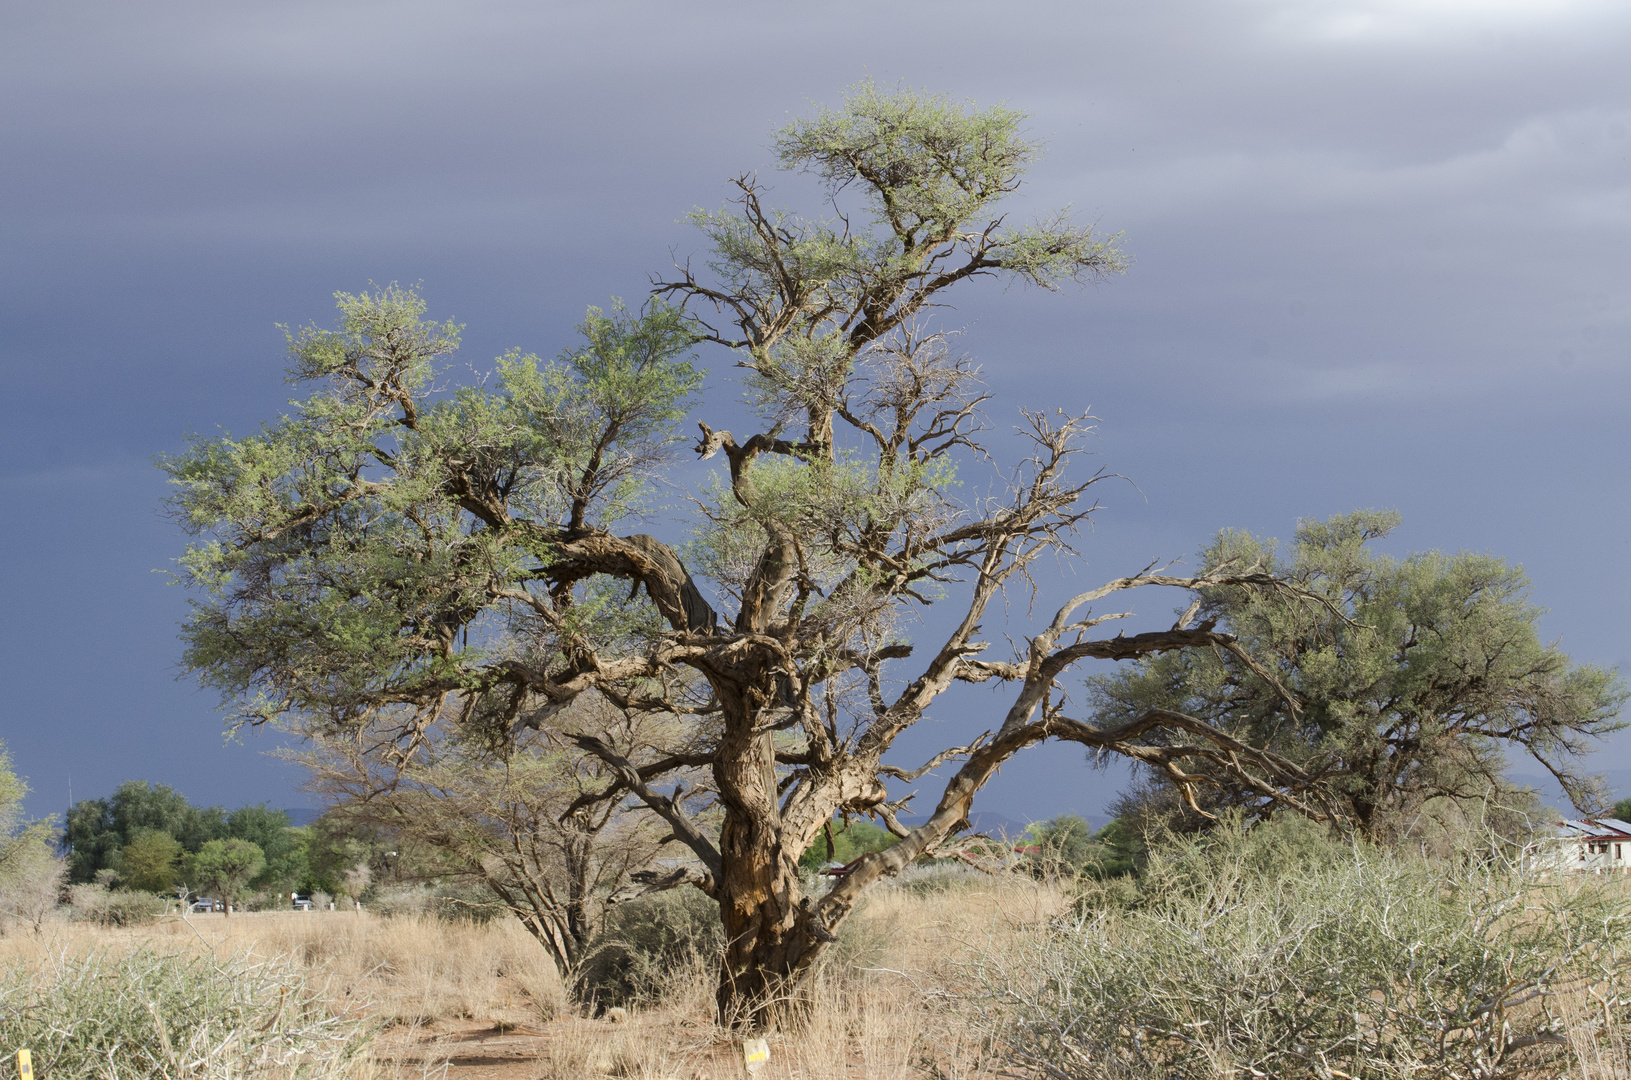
(463, 1050)
(467, 1051)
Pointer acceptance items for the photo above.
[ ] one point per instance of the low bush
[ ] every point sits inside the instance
(644, 941)
(1278, 952)
(469, 900)
(938, 876)
(96, 903)
(401, 900)
(149, 1014)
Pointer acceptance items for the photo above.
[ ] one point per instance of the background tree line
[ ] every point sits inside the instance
(150, 838)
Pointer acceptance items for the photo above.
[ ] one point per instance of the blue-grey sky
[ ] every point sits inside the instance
(1381, 260)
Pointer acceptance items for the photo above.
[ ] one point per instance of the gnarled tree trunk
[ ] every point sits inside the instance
(767, 939)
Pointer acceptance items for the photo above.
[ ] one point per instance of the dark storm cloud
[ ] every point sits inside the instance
(1380, 260)
(1430, 161)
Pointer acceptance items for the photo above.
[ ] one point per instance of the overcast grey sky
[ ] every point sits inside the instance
(1381, 260)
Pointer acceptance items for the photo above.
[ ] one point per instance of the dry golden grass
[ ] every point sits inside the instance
(876, 1009)
(411, 970)
(881, 1007)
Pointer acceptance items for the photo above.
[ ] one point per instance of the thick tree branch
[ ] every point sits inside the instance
(664, 806)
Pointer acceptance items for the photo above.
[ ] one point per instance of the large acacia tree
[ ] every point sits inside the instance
(394, 556)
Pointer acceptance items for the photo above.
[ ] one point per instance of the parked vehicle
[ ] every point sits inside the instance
(301, 903)
(204, 903)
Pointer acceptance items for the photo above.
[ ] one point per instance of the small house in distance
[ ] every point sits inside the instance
(1596, 845)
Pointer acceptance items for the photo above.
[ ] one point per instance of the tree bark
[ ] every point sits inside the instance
(768, 936)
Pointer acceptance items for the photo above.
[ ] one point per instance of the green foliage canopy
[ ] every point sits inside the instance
(151, 862)
(849, 840)
(145, 835)
(1410, 682)
(98, 829)
(285, 847)
(224, 867)
(364, 550)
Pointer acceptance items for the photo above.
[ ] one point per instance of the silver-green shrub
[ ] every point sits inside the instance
(95, 903)
(152, 1015)
(1273, 953)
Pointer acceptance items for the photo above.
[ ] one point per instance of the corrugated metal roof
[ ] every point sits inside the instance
(1600, 827)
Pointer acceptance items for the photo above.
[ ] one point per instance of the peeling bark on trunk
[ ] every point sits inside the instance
(768, 937)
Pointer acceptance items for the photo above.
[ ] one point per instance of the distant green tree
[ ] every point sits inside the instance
(262, 825)
(1622, 809)
(844, 842)
(1117, 851)
(1068, 835)
(290, 869)
(1061, 845)
(284, 846)
(151, 862)
(139, 805)
(97, 829)
(1067, 846)
(223, 867)
(92, 840)
(1408, 683)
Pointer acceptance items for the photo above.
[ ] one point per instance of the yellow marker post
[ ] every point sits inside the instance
(25, 1065)
(755, 1053)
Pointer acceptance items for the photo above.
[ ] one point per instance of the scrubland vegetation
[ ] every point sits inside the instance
(583, 810)
(382, 988)
(1273, 950)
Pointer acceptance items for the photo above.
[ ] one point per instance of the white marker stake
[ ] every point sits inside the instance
(755, 1053)
(25, 1065)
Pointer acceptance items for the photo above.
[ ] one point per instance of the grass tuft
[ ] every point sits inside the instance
(154, 1014)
